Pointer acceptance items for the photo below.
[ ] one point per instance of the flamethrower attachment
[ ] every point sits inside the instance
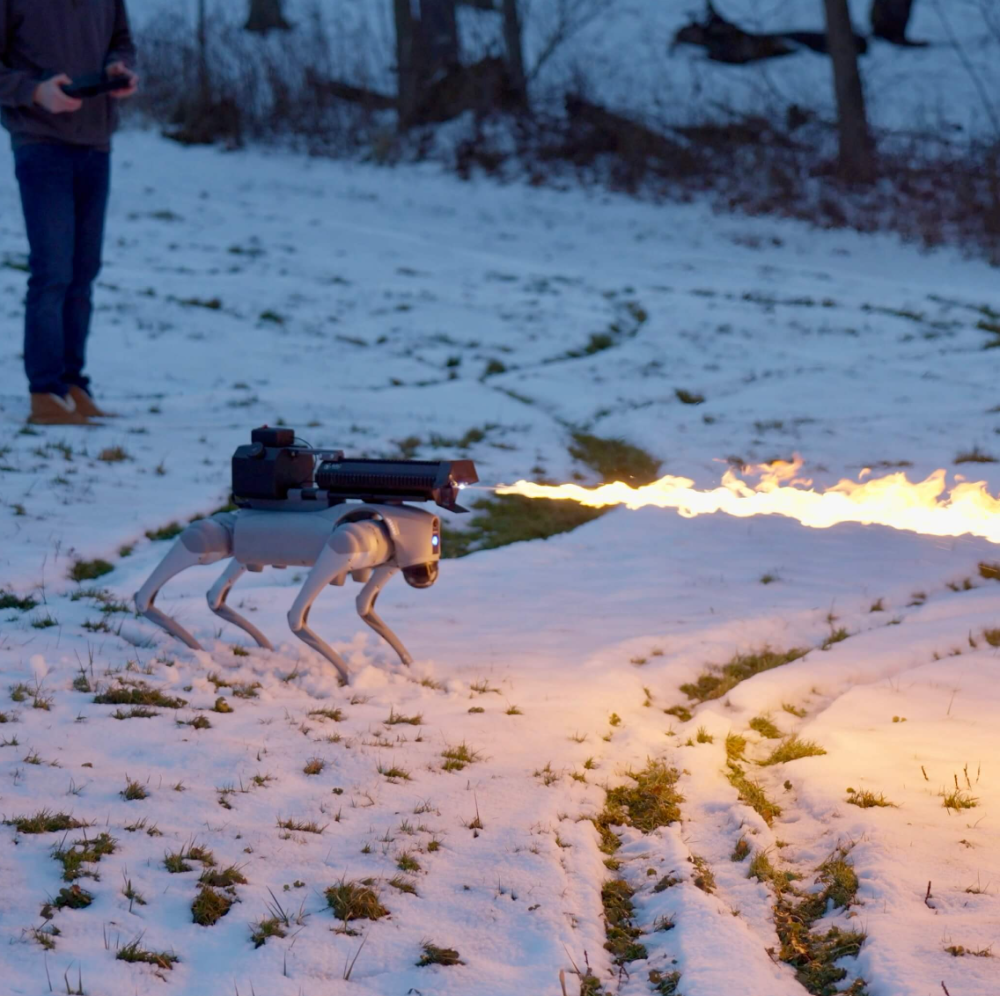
(302, 507)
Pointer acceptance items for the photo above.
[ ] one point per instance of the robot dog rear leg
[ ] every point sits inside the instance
(217, 596)
(204, 542)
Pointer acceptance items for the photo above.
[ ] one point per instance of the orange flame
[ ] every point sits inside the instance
(926, 507)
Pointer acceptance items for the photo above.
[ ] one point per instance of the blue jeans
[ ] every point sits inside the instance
(64, 194)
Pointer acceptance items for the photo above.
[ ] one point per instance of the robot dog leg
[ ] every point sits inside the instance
(353, 548)
(366, 609)
(204, 542)
(217, 596)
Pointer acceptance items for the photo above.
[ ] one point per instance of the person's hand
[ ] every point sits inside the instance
(120, 69)
(50, 96)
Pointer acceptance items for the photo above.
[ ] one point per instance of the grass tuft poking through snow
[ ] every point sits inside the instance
(458, 756)
(814, 954)
(210, 906)
(741, 850)
(735, 746)
(619, 928)
(223, 878)
(354, 901)
(653, 801)
(397, 718)
(865, 799)
(138, 695)
(45, 821)
(792, 750)
(665, 984)
(433, 955)
(89, 570)
(765, 727)
(84, 852)
(959, 799)
(752, 793)
(718, 681)
(135, 952)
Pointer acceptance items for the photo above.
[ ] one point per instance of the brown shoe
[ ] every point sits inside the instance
(50, 409)
(85, 404)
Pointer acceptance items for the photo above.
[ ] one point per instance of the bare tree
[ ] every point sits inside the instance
(406, 71)
(566, 18)
(204, 84)
(427, 48)
(266, 15)
(438, 37)
(857, 159)
(514, 47)
(890, 19)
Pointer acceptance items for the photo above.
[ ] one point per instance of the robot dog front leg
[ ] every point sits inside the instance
(204, 542)
(356, 546)
(366, 609)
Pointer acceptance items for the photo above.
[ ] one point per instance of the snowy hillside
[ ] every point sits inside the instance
(471, 800)
(623, 57)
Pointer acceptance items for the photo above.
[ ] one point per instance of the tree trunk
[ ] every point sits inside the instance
(438, 38)
(857, 162)
(265, 16)
(513, 43)
(408, 87)
(890, 19)
(204, 84)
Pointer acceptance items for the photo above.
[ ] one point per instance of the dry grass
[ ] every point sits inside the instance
(301, 826)
(45, 821)
(765, 727)
(397, 718)
(210, 906)
(792, 750)
(864, 799)
(458, 756)
(354, 901)
(134, 952)
(84, 852)
(815, 954)
(718, 681)
(619, 927)
(223, 878)
(752, 793)
(958, 799)
(434, 955)
(138, 695)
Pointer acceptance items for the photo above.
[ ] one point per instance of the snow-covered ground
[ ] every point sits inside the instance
(364, 307)
(621, 52)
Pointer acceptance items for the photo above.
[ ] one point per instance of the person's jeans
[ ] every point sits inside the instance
(64, 194)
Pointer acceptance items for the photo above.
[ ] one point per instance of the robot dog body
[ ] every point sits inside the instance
(286, 520)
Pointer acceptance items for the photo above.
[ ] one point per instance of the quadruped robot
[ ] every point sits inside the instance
(302, 507)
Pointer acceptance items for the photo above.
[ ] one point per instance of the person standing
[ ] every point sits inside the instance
(62, 158)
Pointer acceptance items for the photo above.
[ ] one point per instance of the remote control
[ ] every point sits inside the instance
(95, 85)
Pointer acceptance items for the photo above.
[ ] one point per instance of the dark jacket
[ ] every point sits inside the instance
(42, 38)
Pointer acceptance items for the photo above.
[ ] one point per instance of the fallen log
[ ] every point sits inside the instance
(727, 42)
(338, 90)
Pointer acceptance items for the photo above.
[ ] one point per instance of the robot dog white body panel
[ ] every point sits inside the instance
(371, 542)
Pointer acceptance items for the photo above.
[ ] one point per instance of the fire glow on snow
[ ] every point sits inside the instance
(927, 506)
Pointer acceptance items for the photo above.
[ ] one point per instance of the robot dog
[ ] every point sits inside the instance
(301, 507)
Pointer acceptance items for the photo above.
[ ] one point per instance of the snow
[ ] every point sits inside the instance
(851, 350)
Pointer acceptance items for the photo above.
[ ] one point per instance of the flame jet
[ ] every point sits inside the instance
(927, 507)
